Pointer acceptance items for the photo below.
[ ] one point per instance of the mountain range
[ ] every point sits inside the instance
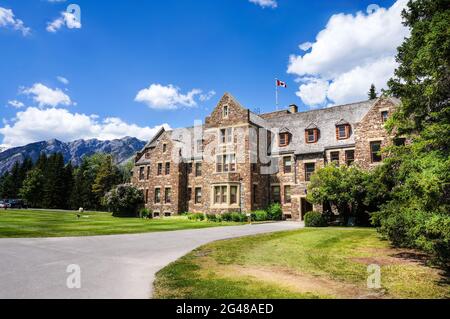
(121, 149)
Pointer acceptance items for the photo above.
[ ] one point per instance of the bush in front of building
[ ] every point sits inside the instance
(145, 213)
(212, 218)
(275, 212)
(238, 217)
(227, 217)
(315, 219)
(260, 216)
(196, 216)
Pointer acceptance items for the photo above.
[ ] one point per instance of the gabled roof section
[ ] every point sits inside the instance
(311, 126)
(342, 122)
(152, 142)
(285, 130)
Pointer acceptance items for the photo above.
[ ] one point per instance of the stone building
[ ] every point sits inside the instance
(239, 161)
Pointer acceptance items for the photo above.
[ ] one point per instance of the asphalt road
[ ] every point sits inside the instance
(116, 267)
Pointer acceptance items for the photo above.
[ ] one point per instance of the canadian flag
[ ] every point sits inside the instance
(281, 84)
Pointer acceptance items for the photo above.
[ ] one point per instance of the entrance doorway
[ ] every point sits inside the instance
(305, 207)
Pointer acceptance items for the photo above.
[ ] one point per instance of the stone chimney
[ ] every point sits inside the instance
(293, 108)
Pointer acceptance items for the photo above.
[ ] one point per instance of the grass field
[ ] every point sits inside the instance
(309, 263)
(36, 223)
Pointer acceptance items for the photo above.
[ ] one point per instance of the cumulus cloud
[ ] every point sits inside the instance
(351, 53)
(265, 3)
(35, 124)
(8, 20)
(169, 97)
(46, 96)
(207, 96)
(67, 19)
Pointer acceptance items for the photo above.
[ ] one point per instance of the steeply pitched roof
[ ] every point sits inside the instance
(325, 120)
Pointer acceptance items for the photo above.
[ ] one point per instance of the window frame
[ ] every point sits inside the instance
(285, 167)
(347, 160)
(274, 199)
(222, 195)
(338, 160)
(168, 195)
(226, 165)
(141, 173)
(226, 111)
(347, 130)
(287, 198)
(375, 158)
(308, 174)
(159, 170)
(167, 168)
(198, 172)
(383, 117)
(198, 199)
(284, 139)
(157, 197)
(315, 135)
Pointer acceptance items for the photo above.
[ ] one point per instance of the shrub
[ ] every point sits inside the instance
(238, 217)
(275, 212)
(260, 216)
(211, 218)
(315, 219)
(124, 201)
(145, 213)
(196, 216)
(227, 217)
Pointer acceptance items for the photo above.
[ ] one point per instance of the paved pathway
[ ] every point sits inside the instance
(122, 266)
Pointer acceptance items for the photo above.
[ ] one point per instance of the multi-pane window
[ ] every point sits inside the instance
(198, 195)
(375, 149)
(198, 169)
(225, 193)
(312, 136)
(349, 157)
(226, 111)
(384, 116)
(167, 170)
(157, 195)
(168, 195)
(189, 168)
(287, 195)
(334, 157)
(226, 163)
(160, 168)
(287, 164)
(226, 135)
(233, 195)
(284, 139)
(310, 168)
(343, 132)
(276, 196)
(141, 173)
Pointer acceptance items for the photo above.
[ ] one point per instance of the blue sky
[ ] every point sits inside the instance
(123, 48)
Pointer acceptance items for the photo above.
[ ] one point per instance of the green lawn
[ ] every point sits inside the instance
(309, 263)
(36, 223)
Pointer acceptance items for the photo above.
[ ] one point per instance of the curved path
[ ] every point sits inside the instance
(122, 266)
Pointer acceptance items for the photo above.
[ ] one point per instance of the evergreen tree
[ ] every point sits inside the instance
(373, 92)
(106, 178)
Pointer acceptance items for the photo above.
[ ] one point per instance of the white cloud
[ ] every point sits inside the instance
(46, 96)
(265, 3)
(7, 19)
(351, 53)
(160, 97)
(66, 19)
(305, 46)
(16, 104)
(63, 80)
(207, 96)
(35, 124)
(314, 92)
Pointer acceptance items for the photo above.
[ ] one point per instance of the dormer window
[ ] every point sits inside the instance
(343, 131)
(226, 111)
(285, 139)
(312, 136)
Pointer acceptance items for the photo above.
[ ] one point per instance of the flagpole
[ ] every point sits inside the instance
(276, 93)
